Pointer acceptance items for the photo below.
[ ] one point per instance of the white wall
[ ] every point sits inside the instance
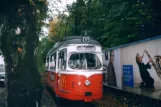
(128, 55)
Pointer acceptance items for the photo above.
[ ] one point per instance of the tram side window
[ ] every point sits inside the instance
(47, 63)
(53, 61)
(62, 59)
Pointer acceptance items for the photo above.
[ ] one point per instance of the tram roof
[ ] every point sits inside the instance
(72, 40)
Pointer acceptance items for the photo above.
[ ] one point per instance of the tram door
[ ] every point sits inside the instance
(62, 62)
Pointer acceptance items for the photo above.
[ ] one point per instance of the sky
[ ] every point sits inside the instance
(55, 5)
(63, 2)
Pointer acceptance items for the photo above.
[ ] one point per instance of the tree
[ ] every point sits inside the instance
(59, 27)
(20, 50)
(44, 46)
(117, 22)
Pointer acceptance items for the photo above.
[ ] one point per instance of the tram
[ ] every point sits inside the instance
(75, 69)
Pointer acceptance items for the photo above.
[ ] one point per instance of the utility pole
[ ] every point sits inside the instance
(88, 20)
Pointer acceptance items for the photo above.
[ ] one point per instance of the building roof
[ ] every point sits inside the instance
(133, 43)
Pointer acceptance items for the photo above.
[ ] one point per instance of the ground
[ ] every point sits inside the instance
(47, 100)
(2, 96)
(111, 98)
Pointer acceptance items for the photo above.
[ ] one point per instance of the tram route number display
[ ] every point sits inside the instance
(128, 78)
(86, 39)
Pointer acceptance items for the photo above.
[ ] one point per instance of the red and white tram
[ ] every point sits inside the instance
(75, 68)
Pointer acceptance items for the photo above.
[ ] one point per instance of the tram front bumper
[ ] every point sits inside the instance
(91, 98)
(87, 97)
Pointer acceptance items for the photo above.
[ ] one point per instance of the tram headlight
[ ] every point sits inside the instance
(87, 83)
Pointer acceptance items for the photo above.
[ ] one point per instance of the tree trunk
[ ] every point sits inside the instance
(8, 61)
(23, 80)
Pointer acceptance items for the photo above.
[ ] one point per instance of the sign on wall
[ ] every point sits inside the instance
(128, 78)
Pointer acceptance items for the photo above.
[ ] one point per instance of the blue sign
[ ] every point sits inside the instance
(128, 78)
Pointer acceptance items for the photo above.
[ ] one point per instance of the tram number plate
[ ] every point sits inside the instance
(88, 93)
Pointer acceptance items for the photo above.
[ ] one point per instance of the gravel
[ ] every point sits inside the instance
(117, 98)
(47, 100)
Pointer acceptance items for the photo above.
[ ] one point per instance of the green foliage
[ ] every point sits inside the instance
(115, 22)
(19, 50)
(44, 46)
(112, 22)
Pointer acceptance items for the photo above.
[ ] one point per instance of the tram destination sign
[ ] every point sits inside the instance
(93, 48)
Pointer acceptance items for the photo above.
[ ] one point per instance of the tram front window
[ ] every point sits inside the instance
(84, 61)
